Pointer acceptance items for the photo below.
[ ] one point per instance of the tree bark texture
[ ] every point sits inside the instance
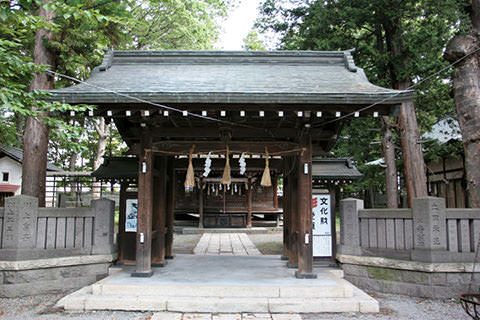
(35, 138)
(103, 132)
(466, 88)
(415, 174)
(391, 167)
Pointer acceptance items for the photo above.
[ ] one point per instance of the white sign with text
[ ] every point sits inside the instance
(322, 225)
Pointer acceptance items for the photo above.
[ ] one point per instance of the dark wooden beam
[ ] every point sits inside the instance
(121, 221)
(286, 211)
(219, 164)
(243, 146)
(236, 133)
(159, 217)
(293, 211)
(170, 208)
(144, 214)
(304, 195)
(328, 109)
(249, 203)
(200, 203)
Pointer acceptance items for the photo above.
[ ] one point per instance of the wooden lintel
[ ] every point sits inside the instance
(243, 146)
(236, 133)
(213, 108)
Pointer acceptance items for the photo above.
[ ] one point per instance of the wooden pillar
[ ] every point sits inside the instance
(249, 203)
(275, 190)
(286, 213)
(293, 212)
(121, 220)
(304, 192)
(333, 215)
(159, 212)
(172, 180)
(144, 214)
(200, 204)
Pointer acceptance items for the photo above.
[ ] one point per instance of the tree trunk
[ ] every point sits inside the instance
(391, 167)
(103, 132)
(35, 138)
(415, 174)
(466, 88)
(20, 123)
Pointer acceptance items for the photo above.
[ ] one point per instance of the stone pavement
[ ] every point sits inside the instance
(225, 316)
(237, 244)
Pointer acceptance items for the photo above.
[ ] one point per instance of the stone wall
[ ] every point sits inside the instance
(53, 249)
(426, 251)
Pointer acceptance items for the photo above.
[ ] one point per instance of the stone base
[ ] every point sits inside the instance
(169, 257)
(292, 265)
(159, 264)
(228, 284)
(142, 274)
(305, 275)
(285, 258)
(410, 282)
(33, 277)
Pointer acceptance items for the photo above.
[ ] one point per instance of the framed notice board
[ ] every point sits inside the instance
(322, 225)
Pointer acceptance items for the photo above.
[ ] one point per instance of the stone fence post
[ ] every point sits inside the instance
(350, 227)
(104, 210)
(20, 222)
(429, 229)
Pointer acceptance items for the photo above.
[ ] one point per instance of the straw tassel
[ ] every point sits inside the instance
(266, 180)
(227, 179)
(190, 178)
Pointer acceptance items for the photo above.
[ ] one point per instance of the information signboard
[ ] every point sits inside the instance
(322, 225)
(131, 215)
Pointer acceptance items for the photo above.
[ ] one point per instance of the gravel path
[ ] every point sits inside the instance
(391, 307)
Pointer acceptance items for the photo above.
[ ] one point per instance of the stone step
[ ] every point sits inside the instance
(84, 300)
(218, 284)
(338, 290)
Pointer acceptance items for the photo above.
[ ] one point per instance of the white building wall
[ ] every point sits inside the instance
(14, 170)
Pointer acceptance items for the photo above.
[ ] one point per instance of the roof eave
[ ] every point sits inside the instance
(395, 97)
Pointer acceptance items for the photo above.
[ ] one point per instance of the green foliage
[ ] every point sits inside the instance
(420, 29)
(174, 24)
(252, 42)
(82, 29)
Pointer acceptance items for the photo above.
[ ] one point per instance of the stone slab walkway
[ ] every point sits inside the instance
(237, 244)
(226, 316)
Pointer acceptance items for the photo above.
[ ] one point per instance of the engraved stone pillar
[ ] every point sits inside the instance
(349, 226)
(429, 229)
(20, 222)
(104, 210)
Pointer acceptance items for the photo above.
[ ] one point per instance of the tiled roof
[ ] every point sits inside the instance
(310, 77)
(337, 168)
(127, 168)
(17, 154)
(117, 168)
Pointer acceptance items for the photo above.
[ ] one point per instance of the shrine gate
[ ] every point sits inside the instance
(171, 105)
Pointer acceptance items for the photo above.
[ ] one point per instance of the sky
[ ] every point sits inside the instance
(236, 27)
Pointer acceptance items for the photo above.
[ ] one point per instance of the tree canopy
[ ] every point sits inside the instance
(393, 41)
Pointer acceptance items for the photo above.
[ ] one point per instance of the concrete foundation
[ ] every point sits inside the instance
(231, 284)
(56, 275)
(429, 280)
